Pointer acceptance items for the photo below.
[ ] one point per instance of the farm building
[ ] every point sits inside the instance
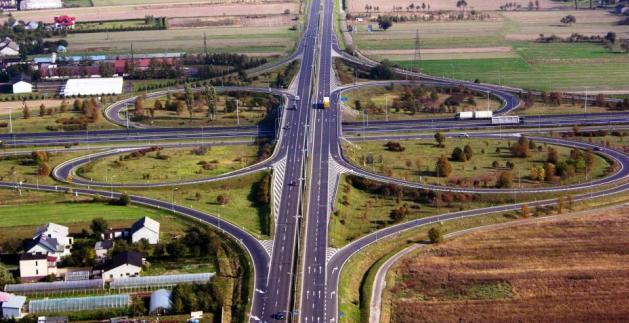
(93, 86)
(124, 264)
(39, 4)
(22, 84)
(12, 306)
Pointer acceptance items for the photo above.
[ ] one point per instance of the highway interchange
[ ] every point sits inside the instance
(297, 274)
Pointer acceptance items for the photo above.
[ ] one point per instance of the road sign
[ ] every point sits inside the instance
(344, 99)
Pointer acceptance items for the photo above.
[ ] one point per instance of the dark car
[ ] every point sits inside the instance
(279, 316)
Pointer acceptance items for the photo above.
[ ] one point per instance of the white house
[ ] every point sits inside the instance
(9, 48)
(51, 239)
(124, 264)
(12, 307)
(57, 231)
(34, 266)
(22, 84)
(145, 228)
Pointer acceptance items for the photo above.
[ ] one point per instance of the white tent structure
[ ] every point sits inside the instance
(93, 86)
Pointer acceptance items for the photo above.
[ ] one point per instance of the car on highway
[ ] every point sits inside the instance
(297, 98)
(280, 316)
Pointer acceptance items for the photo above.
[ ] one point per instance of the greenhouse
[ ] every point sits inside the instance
(75, 304)
(79, 286)
(150, 282)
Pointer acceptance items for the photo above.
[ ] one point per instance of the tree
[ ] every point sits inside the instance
(468, 152)
(209, 93)
(458, 155)
(385, 22)
(435, 235)
(42, 110)
(525, 210)
(123, 200)
(44, 169)
(568, 20)
(443, 168)
(26, 112)
(521, 148)
(158, 105)
(461, 4)
(553, 155)
(382, 71)
(440, 139)
(39, 157)
(99, 226)
(505, 180)
(189, 97)
(222, 199)
(139, 106)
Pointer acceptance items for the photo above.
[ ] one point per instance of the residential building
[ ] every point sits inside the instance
(57, 231)
(22, 84)
(145, 228)
(35, 266)
(124, 264)
(102, 249)
(13, 307)
(9, 48)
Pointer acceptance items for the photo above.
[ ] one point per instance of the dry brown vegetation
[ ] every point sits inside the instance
(565, 271)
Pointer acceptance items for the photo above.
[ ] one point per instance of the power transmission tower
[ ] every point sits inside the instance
(417, 55)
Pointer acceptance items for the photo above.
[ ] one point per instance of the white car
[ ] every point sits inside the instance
(296, 97)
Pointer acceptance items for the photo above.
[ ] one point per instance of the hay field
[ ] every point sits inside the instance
(565, 271)
(163, 10)
(252, 41)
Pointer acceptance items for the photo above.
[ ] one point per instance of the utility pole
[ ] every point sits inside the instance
(386, 107)
(10, 121)
(586, 100)
(417, 54)
(237, 112)
(205, 44)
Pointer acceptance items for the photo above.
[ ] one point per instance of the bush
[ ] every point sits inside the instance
(505, 180)
(435, 234)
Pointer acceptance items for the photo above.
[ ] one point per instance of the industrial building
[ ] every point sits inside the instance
(93, 86)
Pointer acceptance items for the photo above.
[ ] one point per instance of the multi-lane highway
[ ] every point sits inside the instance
(296, 278)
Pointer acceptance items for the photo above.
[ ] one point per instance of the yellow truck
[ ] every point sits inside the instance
(326, 102)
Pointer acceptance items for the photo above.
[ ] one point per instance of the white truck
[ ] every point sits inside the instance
(466, 115)
(505, 120)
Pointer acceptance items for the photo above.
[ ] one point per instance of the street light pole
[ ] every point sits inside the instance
(237, 112)
(386, 107)
(585, 107)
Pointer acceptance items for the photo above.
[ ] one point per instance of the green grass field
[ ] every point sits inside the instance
(171, 165)
(20, 169)
(502, 50)
(417, 162)
(119, 24)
